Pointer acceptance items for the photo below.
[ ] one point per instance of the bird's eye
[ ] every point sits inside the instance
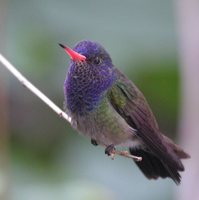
(97, 61)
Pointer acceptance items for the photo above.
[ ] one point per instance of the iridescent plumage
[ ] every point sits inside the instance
(106, 106)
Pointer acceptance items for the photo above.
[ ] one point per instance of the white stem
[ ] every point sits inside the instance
(33, 89)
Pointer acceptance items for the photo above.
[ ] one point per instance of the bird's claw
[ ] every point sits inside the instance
(94, 142)
(110, 151)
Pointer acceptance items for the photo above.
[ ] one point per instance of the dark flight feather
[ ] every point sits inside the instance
(164, 157)
(152, 166)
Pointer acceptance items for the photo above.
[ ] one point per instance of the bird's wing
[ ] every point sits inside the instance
(131, 104)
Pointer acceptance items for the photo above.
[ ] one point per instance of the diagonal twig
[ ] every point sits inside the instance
(127, 155)
(33, 89)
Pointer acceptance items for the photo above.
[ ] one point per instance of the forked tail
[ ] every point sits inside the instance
(154, 166)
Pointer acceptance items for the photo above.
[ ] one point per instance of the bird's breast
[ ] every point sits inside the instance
(85, 86)
(103, 125)
(80, 95)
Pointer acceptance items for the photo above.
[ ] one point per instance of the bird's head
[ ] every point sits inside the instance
(90, 74)
(89, 53)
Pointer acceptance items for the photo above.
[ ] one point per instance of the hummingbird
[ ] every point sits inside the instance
(109, 108)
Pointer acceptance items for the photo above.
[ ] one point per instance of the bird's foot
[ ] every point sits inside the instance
(110, 151)
(94, 142)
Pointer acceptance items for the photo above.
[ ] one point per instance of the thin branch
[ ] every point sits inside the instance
(33, 89)
(48, 102)
(126, 154)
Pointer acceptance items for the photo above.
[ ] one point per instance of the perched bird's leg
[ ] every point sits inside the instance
(110, 151)
(94, 142)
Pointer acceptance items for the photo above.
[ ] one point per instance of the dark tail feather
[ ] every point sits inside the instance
(177, 149)
(153, 167)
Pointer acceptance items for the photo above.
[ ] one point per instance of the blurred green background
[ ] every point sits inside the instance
(47, 159)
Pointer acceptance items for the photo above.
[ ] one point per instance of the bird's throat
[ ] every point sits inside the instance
(81, 96)
(85, 86)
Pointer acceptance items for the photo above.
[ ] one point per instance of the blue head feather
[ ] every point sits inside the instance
(87, 82)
